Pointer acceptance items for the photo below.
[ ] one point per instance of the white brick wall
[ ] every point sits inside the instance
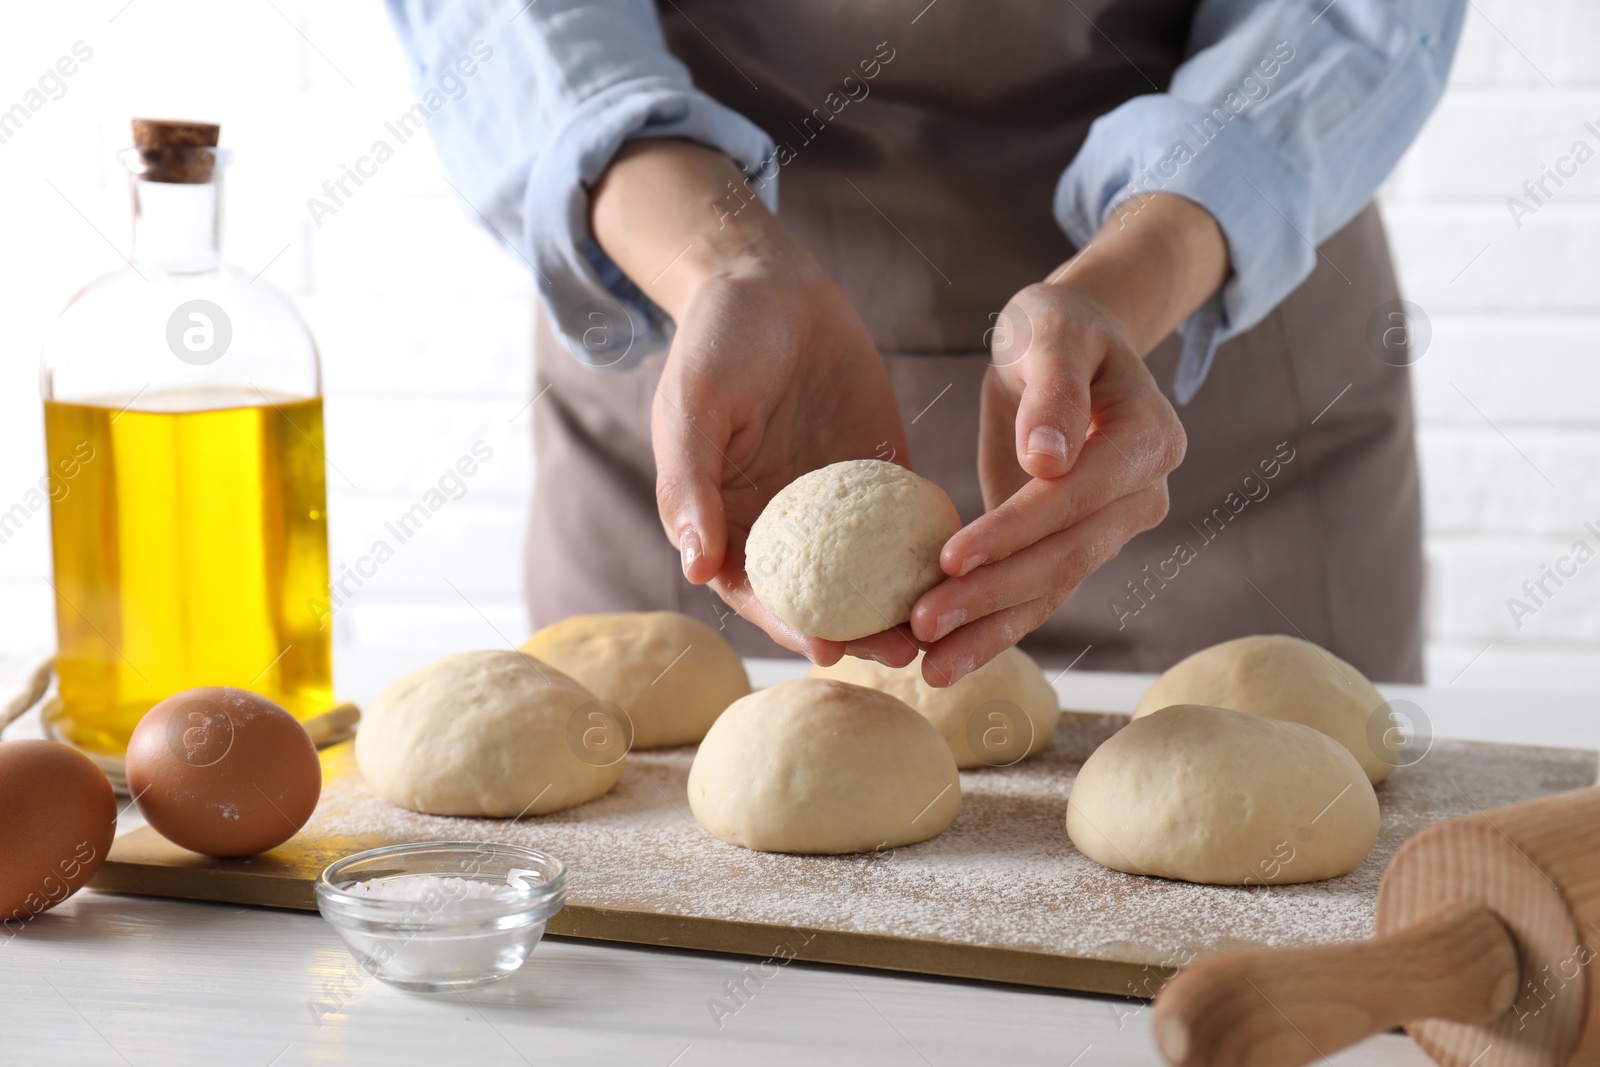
(424, 324)
(1515, 359)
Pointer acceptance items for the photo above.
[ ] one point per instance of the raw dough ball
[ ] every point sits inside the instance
(822, 767)
(488, 733)
(999, 714)
(1215, 796)
(673, 675)
(845, 551)
(1286, 678)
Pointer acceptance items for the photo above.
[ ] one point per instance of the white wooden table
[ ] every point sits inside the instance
(107, 979)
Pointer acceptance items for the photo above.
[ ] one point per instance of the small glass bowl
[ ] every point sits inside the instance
(438, 916)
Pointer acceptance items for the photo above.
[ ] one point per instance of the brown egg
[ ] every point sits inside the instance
(57, 817)
(223, 771)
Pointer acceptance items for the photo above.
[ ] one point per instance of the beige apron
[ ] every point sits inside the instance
(926, 191)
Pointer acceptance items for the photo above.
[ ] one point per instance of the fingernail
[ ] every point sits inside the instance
(961, 668)
(1047, 441)
(862, 652)
(972, 562)
(947, 621)
(690, 542)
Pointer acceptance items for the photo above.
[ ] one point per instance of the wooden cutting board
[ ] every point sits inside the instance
(1001, 896)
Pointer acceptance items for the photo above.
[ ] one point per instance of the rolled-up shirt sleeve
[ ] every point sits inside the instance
(556, 88)
(1282, 122)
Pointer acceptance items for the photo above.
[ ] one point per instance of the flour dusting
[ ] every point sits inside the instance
(1004, 875)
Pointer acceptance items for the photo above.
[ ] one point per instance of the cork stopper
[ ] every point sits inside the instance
(183, 153)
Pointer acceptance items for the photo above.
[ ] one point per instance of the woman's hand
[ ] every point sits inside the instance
(771, 375)
(771, 372)
(1076, 440)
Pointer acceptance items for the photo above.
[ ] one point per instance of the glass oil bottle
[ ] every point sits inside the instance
(183, 426)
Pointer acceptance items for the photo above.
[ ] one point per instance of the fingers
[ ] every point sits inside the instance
(689, 439)
(970, 647)
(1049, 571)
(1045, 358)
(1052, 416)
(1137, 442)
(734, 588)
(894, 648)
(999, 473)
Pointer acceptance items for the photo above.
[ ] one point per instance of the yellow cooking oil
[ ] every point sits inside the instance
(190, 541)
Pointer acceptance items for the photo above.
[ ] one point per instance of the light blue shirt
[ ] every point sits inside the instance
(1281, 122)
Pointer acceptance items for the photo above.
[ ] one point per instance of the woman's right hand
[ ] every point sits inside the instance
(771, 372)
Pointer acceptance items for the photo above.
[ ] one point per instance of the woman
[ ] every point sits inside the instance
(964, 234)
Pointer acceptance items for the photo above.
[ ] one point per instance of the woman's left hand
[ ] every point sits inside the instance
(1076, 439)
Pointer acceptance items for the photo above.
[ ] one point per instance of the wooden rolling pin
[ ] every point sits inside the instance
(1487, 926)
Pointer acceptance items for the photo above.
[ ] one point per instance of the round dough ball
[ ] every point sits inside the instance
(845, 551)
(1286, 678)
(673, 675)
(995, 716)
(1223, 798)
(821, 767)
(489, 733)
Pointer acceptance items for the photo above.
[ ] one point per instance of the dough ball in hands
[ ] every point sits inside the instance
(822, 767)
(995, 716)
(1223, 798)
(1286, 678)
(671, 674)
(845, 551)
(488, 733)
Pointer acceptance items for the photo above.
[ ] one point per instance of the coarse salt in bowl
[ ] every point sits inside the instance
(439, 916)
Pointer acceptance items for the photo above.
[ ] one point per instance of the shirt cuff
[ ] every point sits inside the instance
(605, 320)
(1261, 201)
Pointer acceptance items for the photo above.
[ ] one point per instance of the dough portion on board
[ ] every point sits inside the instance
(671, 674)
(845, 551)
(488, 733)
(1219, 797)
(1286, 678)
(995, 716)
(822, 767)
